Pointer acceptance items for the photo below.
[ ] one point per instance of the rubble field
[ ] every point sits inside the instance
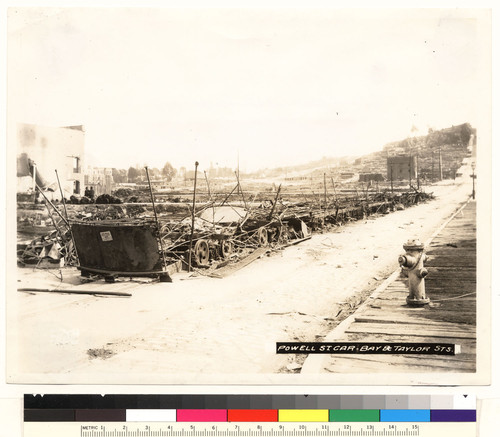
(206, 329)
(220, 231)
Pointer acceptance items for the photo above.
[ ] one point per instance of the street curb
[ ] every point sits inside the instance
(314, 362)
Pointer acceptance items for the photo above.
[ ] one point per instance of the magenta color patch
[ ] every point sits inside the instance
(201, 415)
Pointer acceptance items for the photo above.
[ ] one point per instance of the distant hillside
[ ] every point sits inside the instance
(306, 168)
(453, 143)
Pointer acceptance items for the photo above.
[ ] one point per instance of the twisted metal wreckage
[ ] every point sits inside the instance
(216, 235)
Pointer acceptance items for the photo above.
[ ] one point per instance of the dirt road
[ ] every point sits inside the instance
(209, 330)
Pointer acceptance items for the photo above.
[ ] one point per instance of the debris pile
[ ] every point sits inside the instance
(126, 240)
(320, 215)
(48, 250)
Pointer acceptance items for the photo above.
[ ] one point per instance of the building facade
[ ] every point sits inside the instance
(403, 167)
(99, 180)
(41, 150)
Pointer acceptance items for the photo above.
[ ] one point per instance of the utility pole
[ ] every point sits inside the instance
(392, 186)
(413, 143)
(34, 183)
(165, 277)
(440, 165)
(409, 168)
(324, 185)
(62, 196)
(192, 217)
(238, 171)
(418, 172)
(473, 176)
(432, 163)
(208, 185)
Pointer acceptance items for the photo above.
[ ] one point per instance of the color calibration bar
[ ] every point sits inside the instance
(259, 416)
(220, 415)
(249, 408)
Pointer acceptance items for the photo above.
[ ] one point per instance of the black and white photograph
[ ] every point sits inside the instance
(248, 196)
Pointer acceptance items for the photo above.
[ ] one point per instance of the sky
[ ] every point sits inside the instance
(273, 87)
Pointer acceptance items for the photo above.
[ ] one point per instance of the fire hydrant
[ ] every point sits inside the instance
(412, 265)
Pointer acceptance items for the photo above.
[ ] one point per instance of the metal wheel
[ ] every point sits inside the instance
(274, 233)
(262, 236)
(165, 229)
(225, 248)
(201, 253)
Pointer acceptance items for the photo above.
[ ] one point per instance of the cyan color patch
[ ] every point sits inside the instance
(405, 415)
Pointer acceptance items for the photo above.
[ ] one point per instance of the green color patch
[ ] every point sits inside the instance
(354, 416)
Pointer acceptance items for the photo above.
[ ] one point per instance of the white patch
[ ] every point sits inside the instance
(106, 236)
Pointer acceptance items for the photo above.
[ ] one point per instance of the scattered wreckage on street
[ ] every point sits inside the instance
(112, 243)
(146, 247)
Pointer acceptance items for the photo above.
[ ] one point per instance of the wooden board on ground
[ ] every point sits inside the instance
(231, 268)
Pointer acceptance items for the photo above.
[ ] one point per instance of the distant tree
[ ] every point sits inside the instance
(154, 173)
(465, 133)
(133, 174)
(141, 173)
(437, 139)
(124, 174)
(168, 171)
(119, 175)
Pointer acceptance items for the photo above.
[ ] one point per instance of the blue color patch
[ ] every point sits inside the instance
(405, 415)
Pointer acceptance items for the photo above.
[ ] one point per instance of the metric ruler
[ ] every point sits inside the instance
(200, 429)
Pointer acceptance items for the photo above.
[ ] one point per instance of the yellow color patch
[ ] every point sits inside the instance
(303, 416)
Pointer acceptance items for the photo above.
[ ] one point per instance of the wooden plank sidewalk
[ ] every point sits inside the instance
(449, 318)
